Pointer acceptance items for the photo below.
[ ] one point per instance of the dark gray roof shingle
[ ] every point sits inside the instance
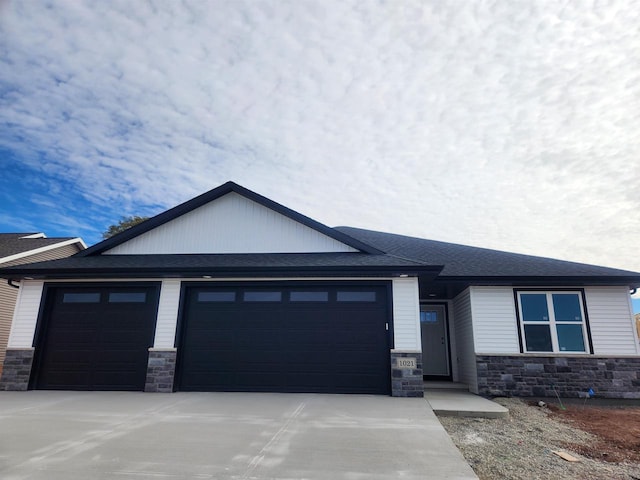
(465, 261)
(219, 264)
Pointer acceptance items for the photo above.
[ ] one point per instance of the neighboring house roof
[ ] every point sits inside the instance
(14, 246)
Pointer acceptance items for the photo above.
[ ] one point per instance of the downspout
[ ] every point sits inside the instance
(10, 283)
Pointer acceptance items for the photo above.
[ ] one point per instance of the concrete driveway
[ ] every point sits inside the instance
(115, 435)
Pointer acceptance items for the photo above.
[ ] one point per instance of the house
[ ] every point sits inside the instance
(19, 248)
(231, 291)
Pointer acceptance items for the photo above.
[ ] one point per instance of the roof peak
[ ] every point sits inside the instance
(212, 195)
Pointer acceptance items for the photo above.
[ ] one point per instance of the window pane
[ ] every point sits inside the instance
(534, 307)
(216, 296)
(429, 317)
(262, 296)
(81, 298)
(309, 296)
(570, 338)
(538, 338)
(128, 297)
(566, 307)
(356, 296)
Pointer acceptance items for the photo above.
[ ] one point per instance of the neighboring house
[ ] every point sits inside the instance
(20, 248)
(231, 291)
(638, 323)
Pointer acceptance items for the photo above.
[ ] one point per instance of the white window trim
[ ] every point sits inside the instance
(552, 321)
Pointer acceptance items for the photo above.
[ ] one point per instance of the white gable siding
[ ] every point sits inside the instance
(494, 320)
(26, 314)
(231, 224)
(463, 331)
(406, 314)
(611, 321)
(167, 314)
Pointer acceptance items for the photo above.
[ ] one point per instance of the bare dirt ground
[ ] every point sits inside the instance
(617, 431)
(605, 440)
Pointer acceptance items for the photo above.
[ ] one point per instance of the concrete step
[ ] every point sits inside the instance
(440, 385)
(463, 404)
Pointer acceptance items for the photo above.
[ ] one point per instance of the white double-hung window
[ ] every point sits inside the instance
(552, 321)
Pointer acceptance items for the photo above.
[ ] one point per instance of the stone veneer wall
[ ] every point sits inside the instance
(17, 369)
(528, 376)
(161, 369)
(406, 382)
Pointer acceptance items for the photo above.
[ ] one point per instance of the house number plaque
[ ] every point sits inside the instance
(406, 363)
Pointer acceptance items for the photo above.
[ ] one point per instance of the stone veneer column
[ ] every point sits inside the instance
(161, 370)
(17, 369)
(406, 381)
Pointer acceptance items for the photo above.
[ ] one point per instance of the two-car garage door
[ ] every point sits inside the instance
(294, 337)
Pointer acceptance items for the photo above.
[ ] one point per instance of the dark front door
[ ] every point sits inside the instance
(285, 338)
(96, 338)
(435, 342)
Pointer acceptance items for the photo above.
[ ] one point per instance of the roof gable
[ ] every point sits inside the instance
(229, 219)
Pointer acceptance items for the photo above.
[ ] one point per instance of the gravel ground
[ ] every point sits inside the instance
(520, 447)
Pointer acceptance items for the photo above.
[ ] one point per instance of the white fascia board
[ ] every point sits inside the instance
(35, 251)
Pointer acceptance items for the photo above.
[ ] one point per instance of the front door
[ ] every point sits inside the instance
(435, 342)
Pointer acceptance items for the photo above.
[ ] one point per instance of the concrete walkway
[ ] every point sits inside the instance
(455, 400)
(50, 435)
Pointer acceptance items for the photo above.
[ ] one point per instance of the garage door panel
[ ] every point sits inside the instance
(100, 345)
(285, 346)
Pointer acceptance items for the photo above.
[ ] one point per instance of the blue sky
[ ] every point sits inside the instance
(507, 125)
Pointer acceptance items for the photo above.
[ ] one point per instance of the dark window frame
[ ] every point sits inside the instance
(588, 342)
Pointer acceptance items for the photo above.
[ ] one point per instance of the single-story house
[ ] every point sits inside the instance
(20, 248)
(231, 291)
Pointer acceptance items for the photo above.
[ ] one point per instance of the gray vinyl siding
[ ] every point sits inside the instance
(8, 297)
(611, 321)
(465, 349)
(494, 320)
(8, 294)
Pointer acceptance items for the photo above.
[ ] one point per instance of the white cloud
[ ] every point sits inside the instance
(510, 125)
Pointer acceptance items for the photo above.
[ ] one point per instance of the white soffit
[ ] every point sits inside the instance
(230, 224)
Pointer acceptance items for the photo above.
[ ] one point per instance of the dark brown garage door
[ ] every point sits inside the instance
(96, 338)
(285, 338)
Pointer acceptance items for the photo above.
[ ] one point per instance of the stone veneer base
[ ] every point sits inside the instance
(161, 369)
(16, 370)
(528, 376)
(406, 382)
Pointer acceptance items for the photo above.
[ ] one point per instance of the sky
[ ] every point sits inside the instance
(512, 125)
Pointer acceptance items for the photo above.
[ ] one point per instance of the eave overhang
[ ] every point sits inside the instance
(428, 273)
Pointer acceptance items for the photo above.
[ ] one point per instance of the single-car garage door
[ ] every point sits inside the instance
(96, 338)
(285, 338)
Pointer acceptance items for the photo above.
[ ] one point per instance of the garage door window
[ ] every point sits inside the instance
(127, 297)
(216, 296)
(356, 296)
(81, 298)
(309, 296)
(262, 296)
